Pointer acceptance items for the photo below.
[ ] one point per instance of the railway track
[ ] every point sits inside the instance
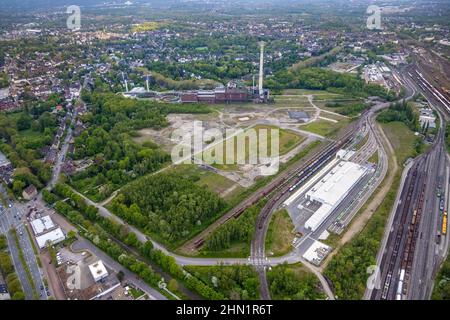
(279, 187)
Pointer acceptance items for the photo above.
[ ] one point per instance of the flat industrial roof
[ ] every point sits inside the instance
(54, 237)
(332, 189)
(316, 252)
(337, 183)
(98, 270)
(42, 224)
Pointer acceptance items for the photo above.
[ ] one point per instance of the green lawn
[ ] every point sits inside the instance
(279, 235)
(325, 128)
(288, 140)
(213, 181)
(401, 138)
(374, 158)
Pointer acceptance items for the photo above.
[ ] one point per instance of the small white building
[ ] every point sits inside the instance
(427, 117)
(54, 237)
(42, 225)
(98, 271)
(316, 253)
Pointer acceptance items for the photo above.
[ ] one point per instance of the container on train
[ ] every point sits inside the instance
(444, 224)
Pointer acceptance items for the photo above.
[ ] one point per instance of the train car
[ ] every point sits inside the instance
(400, 285)
(414, 218)
(444, 224)
(199, 243)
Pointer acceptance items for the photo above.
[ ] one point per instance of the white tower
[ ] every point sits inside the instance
(261, 70)
(146, 82)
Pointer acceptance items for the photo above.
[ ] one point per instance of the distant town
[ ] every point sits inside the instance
(94, 207)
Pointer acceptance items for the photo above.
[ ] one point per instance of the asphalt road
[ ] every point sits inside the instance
(85, 245)
(10, 218)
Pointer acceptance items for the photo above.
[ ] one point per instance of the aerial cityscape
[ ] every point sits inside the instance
(255, 150)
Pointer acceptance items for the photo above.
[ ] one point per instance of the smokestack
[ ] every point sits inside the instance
(261, 70)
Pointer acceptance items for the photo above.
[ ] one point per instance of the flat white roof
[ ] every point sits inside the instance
(332, 189)
(316, 252)
(55, 236)
(98, 270)
(337, 183)
(42, 224)
(318, 217)
(313, 180)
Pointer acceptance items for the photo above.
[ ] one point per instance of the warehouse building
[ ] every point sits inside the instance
(42, 225)
(332, 190)
(53, 237)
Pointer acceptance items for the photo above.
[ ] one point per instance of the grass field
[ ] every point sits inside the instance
(279, 235)
(374, 158)
(401, 138)
(325, 128)
(215, 182)
(287, 141)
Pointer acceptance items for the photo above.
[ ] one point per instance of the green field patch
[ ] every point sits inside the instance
(293, 282)
(280, 234)
(324, 128)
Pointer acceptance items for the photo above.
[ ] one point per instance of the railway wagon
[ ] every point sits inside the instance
(444, 224)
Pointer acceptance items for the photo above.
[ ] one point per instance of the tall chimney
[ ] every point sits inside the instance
(261, 70)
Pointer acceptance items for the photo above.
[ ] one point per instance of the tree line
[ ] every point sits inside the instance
(403, 112)
(238, 230)
(321, 79)
(111, 124)
(7, 270)
(288, 282)
(24, 136)
(100, 231)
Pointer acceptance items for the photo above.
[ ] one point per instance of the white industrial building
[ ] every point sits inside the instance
(332, 189)
(54, 237)
(42, 225)
(98, 271)
(316, 253)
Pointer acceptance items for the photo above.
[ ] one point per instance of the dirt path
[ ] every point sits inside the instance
(361, 220)
(51, 274)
